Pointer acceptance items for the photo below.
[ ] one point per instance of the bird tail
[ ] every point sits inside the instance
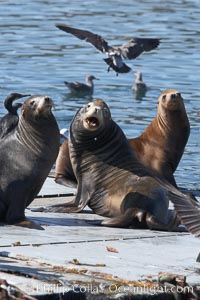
(123, 69)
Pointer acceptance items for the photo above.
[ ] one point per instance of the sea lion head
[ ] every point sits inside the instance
(37, 107)
(93, 117)
(96, 114)
(171, 100)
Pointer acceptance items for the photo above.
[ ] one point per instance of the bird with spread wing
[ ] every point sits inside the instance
(130, 50)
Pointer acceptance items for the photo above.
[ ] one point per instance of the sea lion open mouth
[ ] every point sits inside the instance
(92, 122)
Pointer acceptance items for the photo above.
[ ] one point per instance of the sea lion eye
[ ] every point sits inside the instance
(32, 102)
(105, 111)
(164, 98)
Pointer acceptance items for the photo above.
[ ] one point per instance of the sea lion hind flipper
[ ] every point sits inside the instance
(172, 223)
(188, 209)
(123, 221)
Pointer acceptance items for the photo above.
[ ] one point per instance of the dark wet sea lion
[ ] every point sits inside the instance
(26, 158)
(10, 120)
(161, 146)
(114, 184)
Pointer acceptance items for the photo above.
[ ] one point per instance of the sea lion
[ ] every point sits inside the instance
(26, 157)
(10, 120)
(112, 181)
(64, 172)
(159, 148)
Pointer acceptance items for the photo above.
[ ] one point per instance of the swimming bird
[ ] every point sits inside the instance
(10, 120)
(130, 50)
(139, 85)
(82, 88)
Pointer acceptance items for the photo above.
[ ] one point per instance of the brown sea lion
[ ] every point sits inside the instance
(64, 172)
(112, 181)
(26, 157)
(160, 147)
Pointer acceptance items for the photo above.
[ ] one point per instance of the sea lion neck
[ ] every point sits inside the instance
(37, 129)
(167, 117)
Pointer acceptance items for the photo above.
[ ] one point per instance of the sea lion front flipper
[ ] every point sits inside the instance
(63, 180)
(69, 206)
(29, 224)
(77, 204)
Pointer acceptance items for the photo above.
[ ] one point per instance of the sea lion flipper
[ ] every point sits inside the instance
(58, 208)
(63, 180)
(77, 204)
(172, 224)
(29, 224)
(124, 220)
(63, 208)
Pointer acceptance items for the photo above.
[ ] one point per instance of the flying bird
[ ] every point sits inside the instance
(82, 88)
(115, 61)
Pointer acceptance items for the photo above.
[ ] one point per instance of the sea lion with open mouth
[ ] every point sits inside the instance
(114, 184)
(27, 155)
(159, 148)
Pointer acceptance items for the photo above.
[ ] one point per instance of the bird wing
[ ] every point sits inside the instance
(77, 87)
(136, 46)
(96, 40)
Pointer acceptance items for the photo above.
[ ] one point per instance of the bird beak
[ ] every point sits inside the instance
(96, 78)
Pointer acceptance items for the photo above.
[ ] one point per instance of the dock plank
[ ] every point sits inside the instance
(37, 259)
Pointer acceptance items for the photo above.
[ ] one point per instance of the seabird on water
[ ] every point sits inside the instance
(82, 88)
(139, 85)
(130, 50)
(10, 120)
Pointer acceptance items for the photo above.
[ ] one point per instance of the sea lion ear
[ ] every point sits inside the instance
(22, 110)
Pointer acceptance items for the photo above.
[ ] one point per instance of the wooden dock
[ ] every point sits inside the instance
(76, 257)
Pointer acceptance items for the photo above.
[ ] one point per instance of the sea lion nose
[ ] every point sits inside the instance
(47, 99)
(173, 96)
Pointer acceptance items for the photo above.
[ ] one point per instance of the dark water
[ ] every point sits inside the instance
(36, 58)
